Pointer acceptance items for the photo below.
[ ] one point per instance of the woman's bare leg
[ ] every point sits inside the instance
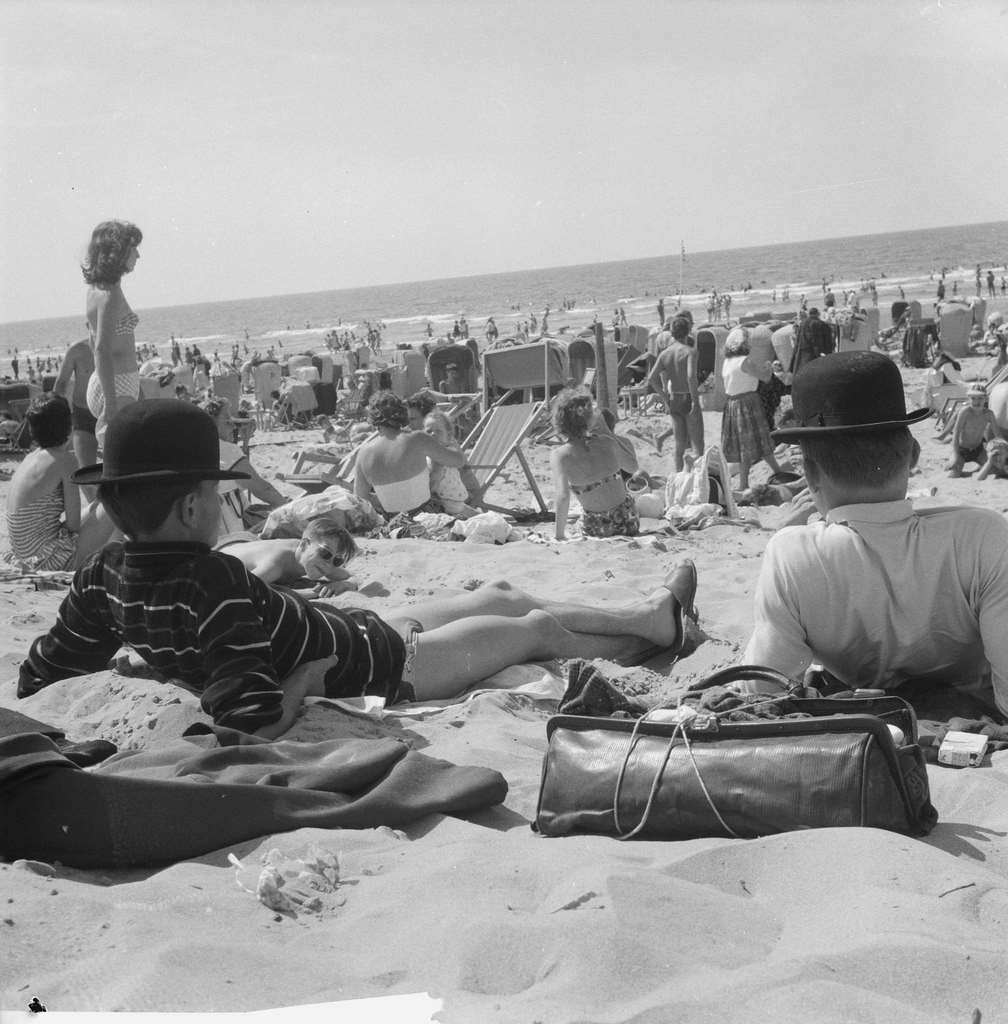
(452, 657)
(650, 618)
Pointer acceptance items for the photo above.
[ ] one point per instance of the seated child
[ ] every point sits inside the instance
(997, 460)
(877, 593)
(445, 481)
(252, 651)
(973, 425)
(318, 557)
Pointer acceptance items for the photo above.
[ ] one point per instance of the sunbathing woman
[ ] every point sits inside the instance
(392, 471)
(115, 382)
(45, 524)
(591, 465)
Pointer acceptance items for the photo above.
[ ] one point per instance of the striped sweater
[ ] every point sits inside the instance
(193, 614)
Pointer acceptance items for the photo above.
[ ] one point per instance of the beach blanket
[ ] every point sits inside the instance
(186, 799)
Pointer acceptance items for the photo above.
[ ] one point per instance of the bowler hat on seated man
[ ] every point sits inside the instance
(846, 393)
(159, 439)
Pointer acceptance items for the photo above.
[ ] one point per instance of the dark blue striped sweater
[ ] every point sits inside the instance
(194, 614)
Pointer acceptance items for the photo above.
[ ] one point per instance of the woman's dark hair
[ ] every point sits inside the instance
(573, 413)
(142, 508)
(108, 251)
(49, 420)
(422, 402)
(860, 460)
(387, 409)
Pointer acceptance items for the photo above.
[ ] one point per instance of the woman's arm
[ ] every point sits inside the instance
(71, 493)
(437, 452)
(562, 487)
(104, 343)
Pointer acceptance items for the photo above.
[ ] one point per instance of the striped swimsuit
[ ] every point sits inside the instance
(127, 385)
(38, 538)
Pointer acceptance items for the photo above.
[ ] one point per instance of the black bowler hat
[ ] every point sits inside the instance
(846, 393)
(159, 439)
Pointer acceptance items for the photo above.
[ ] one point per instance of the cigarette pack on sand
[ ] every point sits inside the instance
(962, 749)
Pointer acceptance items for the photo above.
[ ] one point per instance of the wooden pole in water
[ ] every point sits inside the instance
(602, 395)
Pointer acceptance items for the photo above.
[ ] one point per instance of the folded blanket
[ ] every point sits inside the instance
(160, 806)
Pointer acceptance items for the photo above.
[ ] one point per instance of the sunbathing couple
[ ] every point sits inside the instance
(878, 594)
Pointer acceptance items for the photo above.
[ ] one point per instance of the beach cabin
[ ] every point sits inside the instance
(523, 369)
(266, 378)
(783, 339)
(409, 371)
(226, 383)
(582, 361)
(955, 320)
(710, 340)
(462, 358)
(859, 332)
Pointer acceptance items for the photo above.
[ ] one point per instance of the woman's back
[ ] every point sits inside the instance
(388, 460)
(592, 468)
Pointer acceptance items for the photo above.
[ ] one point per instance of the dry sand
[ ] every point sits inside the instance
(497, 923)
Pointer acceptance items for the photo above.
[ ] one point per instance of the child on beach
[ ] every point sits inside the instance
(253, 652)
(319, 557)
(877, 593)
(446, 481)
(973, 426)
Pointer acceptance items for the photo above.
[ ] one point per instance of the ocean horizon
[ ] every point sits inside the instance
(893, 259)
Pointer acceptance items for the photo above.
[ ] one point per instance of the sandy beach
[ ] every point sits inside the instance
(493, 921)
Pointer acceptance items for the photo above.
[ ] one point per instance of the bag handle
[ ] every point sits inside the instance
(734, 673)
(680, 730)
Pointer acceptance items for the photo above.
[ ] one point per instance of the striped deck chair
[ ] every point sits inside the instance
(496, 439)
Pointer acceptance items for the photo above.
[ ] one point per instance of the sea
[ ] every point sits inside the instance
(909, 259)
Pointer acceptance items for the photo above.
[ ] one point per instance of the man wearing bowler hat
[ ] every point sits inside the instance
(877, 593)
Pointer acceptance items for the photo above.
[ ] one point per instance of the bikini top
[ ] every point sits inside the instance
(127, 322)
(585, 488)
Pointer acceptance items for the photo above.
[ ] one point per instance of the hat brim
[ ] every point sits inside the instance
(797, 433)
(96, 475)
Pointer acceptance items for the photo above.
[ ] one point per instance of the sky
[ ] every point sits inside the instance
(267, 147)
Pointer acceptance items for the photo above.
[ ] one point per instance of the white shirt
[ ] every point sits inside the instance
(879, 593)
(736, 380)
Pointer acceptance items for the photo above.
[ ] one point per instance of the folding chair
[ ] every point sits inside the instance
(496, 439)
(949, 409)
(341, 475)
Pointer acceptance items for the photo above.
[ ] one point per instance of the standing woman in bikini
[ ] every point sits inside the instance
(113, 251)
(591, 465)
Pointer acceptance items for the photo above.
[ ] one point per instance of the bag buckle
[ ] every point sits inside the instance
(702, 722)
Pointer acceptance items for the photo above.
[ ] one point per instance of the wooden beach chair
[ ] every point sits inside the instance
(496, 439)
(341, 474)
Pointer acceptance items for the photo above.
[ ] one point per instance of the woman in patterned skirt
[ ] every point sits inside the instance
(745, 434)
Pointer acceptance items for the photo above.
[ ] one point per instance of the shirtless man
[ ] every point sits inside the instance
(974, 425)
(72, 384)
(674, 377)
(318, 558)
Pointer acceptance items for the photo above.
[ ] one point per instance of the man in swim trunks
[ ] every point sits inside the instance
(674, 377)
(72, 384)
(254, 652)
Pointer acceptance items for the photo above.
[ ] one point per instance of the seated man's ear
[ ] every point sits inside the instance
(915, 451)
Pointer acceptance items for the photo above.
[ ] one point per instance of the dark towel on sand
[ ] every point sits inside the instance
(160, 806)
(590, 693)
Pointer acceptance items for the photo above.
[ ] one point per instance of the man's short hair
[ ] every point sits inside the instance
(680, 328)
(49, 420)
(868, 460)
(139, 508)
(330, 534)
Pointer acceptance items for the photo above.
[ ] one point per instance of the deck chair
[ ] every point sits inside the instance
(341, 474)
(948, 410)
(496, 439)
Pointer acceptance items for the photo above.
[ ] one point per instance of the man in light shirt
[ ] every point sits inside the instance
(876, 593)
